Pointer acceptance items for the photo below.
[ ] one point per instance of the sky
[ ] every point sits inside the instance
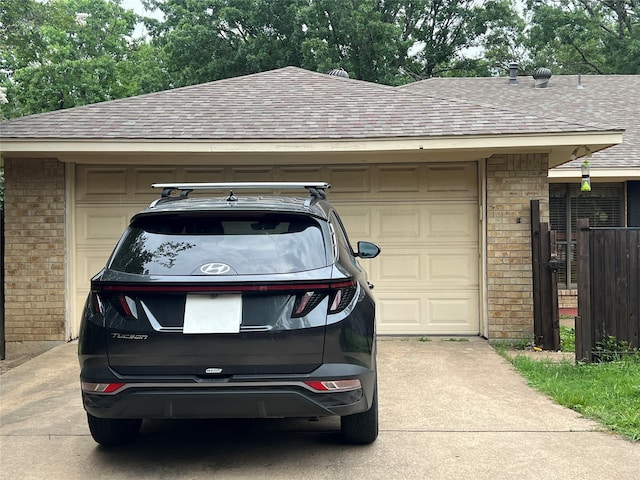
(136, 6)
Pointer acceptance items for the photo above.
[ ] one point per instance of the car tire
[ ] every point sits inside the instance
(361, 428)
(113, 431)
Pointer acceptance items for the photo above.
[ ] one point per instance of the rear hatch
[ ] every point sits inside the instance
(219, 294)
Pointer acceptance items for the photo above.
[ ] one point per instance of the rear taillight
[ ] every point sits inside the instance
(308, 295)
(340, 297)
(307, 302)
(106, 388)
(123, 304)
(334, 385)
(97, 304)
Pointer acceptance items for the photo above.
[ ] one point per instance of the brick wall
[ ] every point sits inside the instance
(34, 250)
(512, 182)
(568, 298)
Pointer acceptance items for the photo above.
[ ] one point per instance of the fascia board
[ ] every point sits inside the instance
(595, 140)
(597, 174)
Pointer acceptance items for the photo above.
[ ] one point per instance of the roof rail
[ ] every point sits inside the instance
(317, 190)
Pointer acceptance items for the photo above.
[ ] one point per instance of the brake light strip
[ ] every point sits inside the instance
(130, 288)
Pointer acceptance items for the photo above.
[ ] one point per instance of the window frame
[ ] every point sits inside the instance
(611, 199)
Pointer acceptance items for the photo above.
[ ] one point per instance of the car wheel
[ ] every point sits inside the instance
(113, 431)
(361, 428)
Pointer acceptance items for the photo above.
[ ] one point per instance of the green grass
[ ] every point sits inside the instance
(606, 392)
(567, 339)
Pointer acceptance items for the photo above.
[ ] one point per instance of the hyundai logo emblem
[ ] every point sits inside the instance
(215, 268)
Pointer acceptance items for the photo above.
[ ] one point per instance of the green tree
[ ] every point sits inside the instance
(391, 41)
(585, 36)
(66, 53)
(206, 40)
(364, 37)
(503, 42)
(396, 41)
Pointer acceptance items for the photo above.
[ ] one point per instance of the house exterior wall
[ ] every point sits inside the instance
(35, 252)
(567, 300)
(512, 182)
(35, 272)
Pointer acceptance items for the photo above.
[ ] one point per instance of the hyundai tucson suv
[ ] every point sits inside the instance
(231, 307)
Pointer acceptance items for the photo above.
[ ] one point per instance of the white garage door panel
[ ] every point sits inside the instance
(402, 313)
(450, 312)
(202, 174)
(452, 180)
(398, 179)
(144, 177)
(100, 225)
(294, 174)
(415, 224)
(356, 220)
(451, 223)
(417, 268)
(99, 182)
(423, 216)
(452, 267)
(429, 312)
(401, 269)
(90, 262)
(349, 180)
(399, 222)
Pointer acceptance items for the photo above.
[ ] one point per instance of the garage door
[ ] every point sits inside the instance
(424, 216)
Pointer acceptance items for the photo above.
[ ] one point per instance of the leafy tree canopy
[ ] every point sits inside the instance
(392, 41)
(62, 53)
(65, 53)
(585, 36)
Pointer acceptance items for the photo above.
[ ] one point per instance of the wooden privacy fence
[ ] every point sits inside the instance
(545, 263)
(608, 289)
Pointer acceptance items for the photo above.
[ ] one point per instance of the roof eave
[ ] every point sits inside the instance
(613, 174)
(558, 145)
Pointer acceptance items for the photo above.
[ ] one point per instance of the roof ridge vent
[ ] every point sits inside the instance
(338, 72)
(541, 77)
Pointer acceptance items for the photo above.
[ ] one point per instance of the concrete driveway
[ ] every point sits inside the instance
(448, 410)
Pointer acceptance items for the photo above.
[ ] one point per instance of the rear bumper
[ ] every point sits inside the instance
(234, 398)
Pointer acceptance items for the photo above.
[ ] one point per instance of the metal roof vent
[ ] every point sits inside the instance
(513, 73)
(338, 72)
(542, 76)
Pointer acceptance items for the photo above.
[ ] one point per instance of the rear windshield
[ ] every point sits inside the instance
(196, 244)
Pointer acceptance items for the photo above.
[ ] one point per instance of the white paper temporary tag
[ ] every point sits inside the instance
(219, 314)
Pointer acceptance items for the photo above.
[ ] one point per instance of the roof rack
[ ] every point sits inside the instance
(317, 190)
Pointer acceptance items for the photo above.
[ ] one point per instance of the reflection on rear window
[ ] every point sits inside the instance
(249, 244)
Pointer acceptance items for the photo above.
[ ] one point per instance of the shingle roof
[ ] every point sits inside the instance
(605, 100)
(285, 104)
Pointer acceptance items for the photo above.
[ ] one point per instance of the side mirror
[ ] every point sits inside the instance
(368, 250)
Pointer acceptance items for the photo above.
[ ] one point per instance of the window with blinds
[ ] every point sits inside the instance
(603, 206)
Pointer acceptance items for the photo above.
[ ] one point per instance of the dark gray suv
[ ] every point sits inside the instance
(231, 307)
